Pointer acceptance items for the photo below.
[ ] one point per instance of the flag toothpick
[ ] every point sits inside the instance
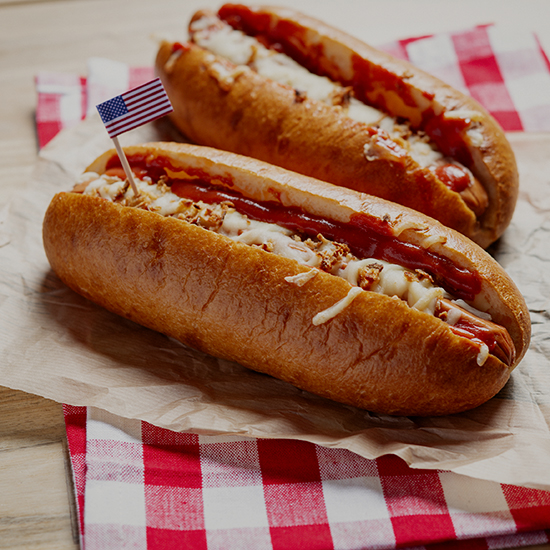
(130, 110)
(126, 166)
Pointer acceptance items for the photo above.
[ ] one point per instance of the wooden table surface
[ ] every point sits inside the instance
(36, 495)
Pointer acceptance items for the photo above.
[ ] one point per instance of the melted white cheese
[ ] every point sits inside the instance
(393, 280)
(338, 307)
(240, 49)
(302, 278)
(483, 354)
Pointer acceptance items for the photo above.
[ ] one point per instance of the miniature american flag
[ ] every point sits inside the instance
(134, 108)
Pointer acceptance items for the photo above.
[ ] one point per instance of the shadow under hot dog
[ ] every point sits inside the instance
(188, 390)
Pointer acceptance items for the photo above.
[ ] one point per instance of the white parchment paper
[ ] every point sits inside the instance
(56, 344)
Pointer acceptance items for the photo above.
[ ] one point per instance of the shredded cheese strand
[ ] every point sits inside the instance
(327, 314)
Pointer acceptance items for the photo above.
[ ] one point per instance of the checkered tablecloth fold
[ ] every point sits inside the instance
(147, 487)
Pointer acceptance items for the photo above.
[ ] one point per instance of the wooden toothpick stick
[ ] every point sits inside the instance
(125, 165)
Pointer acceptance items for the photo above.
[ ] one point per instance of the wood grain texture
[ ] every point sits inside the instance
(37, 503)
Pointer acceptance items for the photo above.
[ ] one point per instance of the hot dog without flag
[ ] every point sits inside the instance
(132, 109)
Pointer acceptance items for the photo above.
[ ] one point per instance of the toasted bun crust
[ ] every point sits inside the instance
(237, 110)
(231, 300)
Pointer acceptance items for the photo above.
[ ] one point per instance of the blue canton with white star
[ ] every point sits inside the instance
(109, 110)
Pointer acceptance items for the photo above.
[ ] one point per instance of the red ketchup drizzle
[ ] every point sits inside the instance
(455, 177)
(181, 46)
(465, 329)
(366, 236)
(368, 79)
(280, 35)
(447, 134)
(243, 18)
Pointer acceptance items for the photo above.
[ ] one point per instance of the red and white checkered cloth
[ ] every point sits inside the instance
(139, 486)
(508, 74)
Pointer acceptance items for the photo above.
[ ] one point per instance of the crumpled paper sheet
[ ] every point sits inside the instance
(58, 345)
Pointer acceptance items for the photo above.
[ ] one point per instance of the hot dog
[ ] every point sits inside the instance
(342, 294)
(277, 85)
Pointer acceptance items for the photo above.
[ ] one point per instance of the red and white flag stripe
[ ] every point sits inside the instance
(134, 108)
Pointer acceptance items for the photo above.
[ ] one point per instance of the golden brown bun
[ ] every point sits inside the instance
(239, 111)
(231, 300)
